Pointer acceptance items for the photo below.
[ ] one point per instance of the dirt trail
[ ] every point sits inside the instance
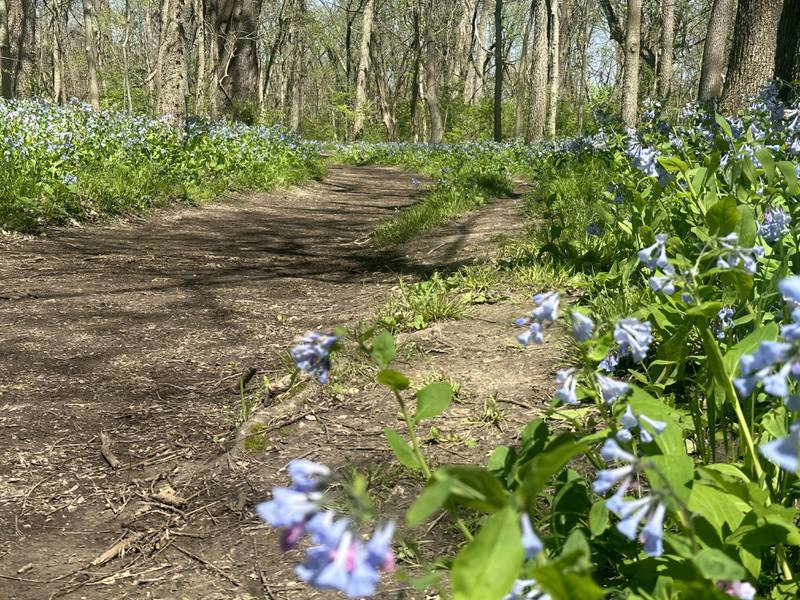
(138, 331)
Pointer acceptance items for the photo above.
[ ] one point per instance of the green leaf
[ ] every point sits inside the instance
(676, 471)
(561, 584)
(383, 349)
(670, 441)
(764, 155)
(748, 345)
(394, 380)
(485, 569)
(433, 400)
(706, 309)
(401, 449)
(724, 125)
(538, 471)
(747, 228)
(716, 565)
(723, 217)
(474, 487)
(790, 175)
(598, 518)
(428, 502)
(722, 510)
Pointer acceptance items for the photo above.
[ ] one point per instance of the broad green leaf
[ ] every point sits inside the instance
(767, 162)
(670, 441)
(474, 487)
(787, 169)
(485, 569)
(383, 349)
(401, 449)
(723, 217)
(598, 518)
(724, 125)
(433, 400)
(676, 471)
(535, 474)
(716, 565)
(428, 502)
(394, 380)
(564, 585)
(747, 228)
(723, 511)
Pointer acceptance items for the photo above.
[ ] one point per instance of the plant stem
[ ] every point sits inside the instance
(712, 348)
(412, 434)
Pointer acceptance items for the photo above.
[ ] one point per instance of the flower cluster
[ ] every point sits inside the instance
(733, 255)
(737, 589)
(723, 322)
(312, 354)
(774, 224)
(337, 559)
(545, 310)
(631, 421)
(634, 338)
(631, 512)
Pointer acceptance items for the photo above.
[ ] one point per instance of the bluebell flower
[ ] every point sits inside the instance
(611, 389)
(526, 589)
(642, 157)
(630, 421)
(530, 541)
(545, 310)
(306, 475)
(568, 383)
(655, 256)
(609, 363)
(738, 589)
(723, 322)
(69, 179)
(784, 452)
(664, 283)
(312, 354)
(790, 290)
(582, 327)
(594, 229)
(772, 365)
(774, 224)
(734, 256)
(634, 338)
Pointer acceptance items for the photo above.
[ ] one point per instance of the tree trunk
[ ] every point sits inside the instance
(431, 88)
(715, 50)
(474, 87)
(22, 31)
(555, 28)
(752, 58)
(201, 87)
(630, 78)
(465, 43)
(6, 69)
(91, 52)
(387, 112)
(126, 78)
(363, 69)
(498, 70)
(298, 67)
(787, 57)
(57, 49)
(522, 77)
(667, 41)
(538, 79)
(172, 64)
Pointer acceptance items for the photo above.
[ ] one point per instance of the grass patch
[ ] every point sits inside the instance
(454, 195)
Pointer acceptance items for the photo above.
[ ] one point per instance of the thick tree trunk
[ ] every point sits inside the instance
(431, 87)
(474, 88)
(522, 77)
(498, 70)
(91, 52)
(538, 78)
(787, 57)
(715, 50)
(172, 64)
(465, 43)
(22, 31)
(387, 109)
(363, 69)
(201, 87)
(555, 28)
(6, 68)
(666, 55)
(752, 58)
(630, 81)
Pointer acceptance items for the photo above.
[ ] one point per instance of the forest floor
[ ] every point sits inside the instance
(124, 343)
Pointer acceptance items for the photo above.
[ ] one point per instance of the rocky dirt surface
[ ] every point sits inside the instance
(122, 350)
